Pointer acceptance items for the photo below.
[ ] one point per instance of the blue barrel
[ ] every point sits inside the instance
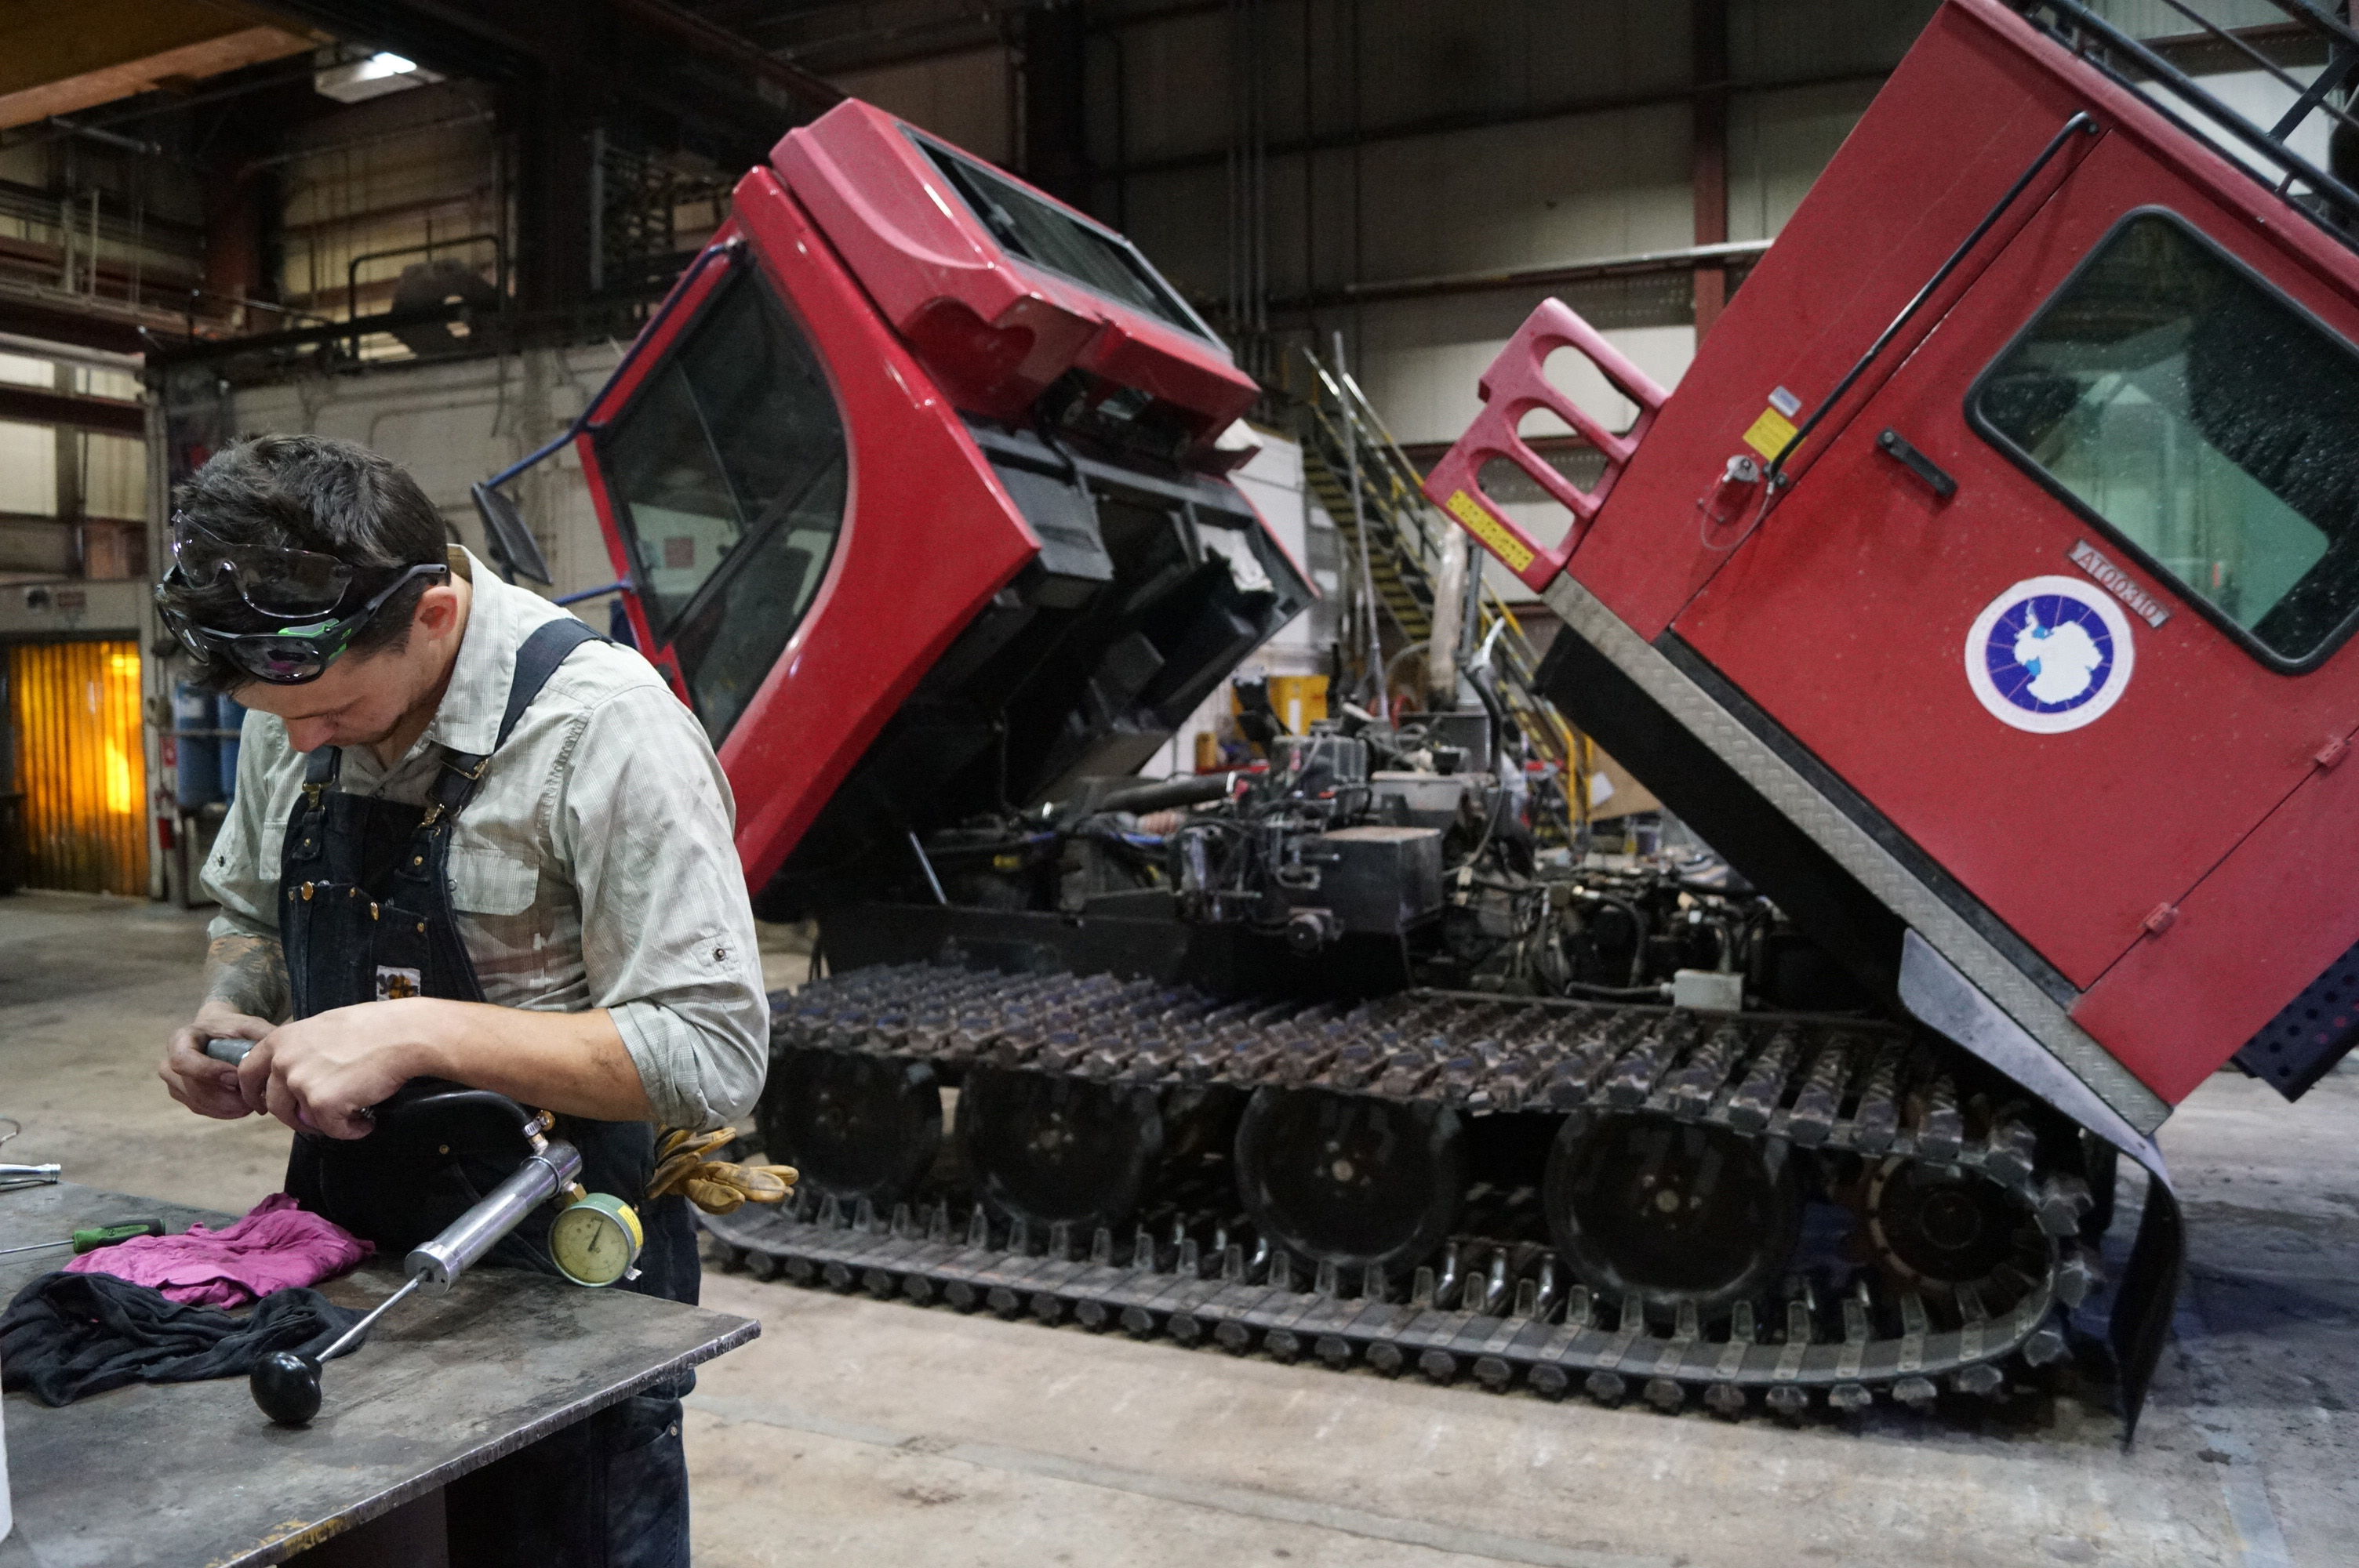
(230, 715)
(194, 718)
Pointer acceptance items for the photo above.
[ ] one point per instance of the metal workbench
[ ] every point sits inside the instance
(190, 1475)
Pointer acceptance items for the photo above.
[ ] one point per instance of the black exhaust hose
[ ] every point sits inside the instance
(1161, 795)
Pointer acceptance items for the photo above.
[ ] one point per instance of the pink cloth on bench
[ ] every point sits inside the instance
(276, 1245)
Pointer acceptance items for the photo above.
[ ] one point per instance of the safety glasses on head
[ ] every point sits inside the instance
(289, 655)
(281, 584)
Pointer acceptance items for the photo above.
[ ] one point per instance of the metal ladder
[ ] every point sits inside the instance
(1393, 539)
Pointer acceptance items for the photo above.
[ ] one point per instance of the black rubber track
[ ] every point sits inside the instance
(1500, 1312)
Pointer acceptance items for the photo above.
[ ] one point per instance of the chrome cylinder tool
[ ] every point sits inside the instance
(286, 1385)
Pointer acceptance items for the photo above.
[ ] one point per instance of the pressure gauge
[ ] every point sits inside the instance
(596, 1240)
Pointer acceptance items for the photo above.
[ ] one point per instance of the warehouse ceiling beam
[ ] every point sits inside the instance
(814, 93)
(67, 410)
(1731, 256)
(510, 40)
(56, 60)
(59, 318)
(492, 41)
(1477, 120)
(68, 353)
(801, 33)
(18, 319)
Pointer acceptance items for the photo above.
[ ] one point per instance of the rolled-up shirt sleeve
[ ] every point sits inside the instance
(240, 873)
(645, 816)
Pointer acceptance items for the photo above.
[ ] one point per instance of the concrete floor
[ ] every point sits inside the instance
(857, 1432)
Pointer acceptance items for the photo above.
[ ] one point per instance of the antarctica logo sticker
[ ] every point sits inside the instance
(2049, 654)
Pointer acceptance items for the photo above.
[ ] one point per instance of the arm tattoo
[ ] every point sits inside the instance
(249, 974)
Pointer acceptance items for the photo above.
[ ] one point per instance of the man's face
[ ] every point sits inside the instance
(363, 697)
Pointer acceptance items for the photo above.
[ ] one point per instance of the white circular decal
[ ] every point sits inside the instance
(2049, 654)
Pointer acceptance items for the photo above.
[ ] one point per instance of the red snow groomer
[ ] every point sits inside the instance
(1984, 590)
(915, 484)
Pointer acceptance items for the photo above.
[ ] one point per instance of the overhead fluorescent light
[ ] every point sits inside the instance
(358, 80)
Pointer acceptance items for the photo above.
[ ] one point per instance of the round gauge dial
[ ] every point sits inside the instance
(596, 1241)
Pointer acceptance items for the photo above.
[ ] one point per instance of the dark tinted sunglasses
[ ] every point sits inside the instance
(291, 654)
(283, 584)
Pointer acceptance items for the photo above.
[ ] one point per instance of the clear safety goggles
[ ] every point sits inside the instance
(287, 655)
(283, 584)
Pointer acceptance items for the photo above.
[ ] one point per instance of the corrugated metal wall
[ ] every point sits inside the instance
(73, 708)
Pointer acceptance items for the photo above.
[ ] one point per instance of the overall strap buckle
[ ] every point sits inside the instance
(462, 771)
(320, 772)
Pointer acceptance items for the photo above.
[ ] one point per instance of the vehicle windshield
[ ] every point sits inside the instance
(2207, 421)
(1054, 240)
(727, 477)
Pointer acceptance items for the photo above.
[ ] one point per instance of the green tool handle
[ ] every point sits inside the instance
(96, 1236)
(90, 1240)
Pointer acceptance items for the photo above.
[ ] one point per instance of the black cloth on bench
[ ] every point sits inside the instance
(68, 1335)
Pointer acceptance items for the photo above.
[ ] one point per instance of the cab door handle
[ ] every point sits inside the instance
(1893, 445)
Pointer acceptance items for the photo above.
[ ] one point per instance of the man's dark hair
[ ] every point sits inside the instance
(309, 493)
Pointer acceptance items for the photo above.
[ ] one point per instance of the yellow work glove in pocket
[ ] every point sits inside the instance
(716, 1186)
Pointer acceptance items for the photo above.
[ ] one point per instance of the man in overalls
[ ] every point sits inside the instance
(470, 842)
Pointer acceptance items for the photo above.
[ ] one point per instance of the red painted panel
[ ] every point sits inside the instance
(1967, 109)
(929, 536)
(995, 330)
(2247, 940)
(1960, 119)
(1846, 617)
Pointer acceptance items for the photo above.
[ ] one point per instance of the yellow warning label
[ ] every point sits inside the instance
(1769, 434)
(1485, 527)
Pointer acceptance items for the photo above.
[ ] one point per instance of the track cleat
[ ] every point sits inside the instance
(1605, 1387)
(1386, 1358)
(2045, 1345)
(1724, 1399)
(2011, 1153)
(2079, 1276)
(1233, 1337)
(2062, 1201)
(1439, 1365)
(1788, 1401)
(1982, 1381)
(1666, 1394)
(1138, 1323)
(1917, 1393)
(1494, 1373)
(1549, 1380)
(1850, 1398)
(1333, 1349)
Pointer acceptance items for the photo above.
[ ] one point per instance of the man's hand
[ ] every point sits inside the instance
(322, 1073)
(204, 1086)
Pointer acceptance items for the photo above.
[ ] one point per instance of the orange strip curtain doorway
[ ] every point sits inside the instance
(81, 765)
